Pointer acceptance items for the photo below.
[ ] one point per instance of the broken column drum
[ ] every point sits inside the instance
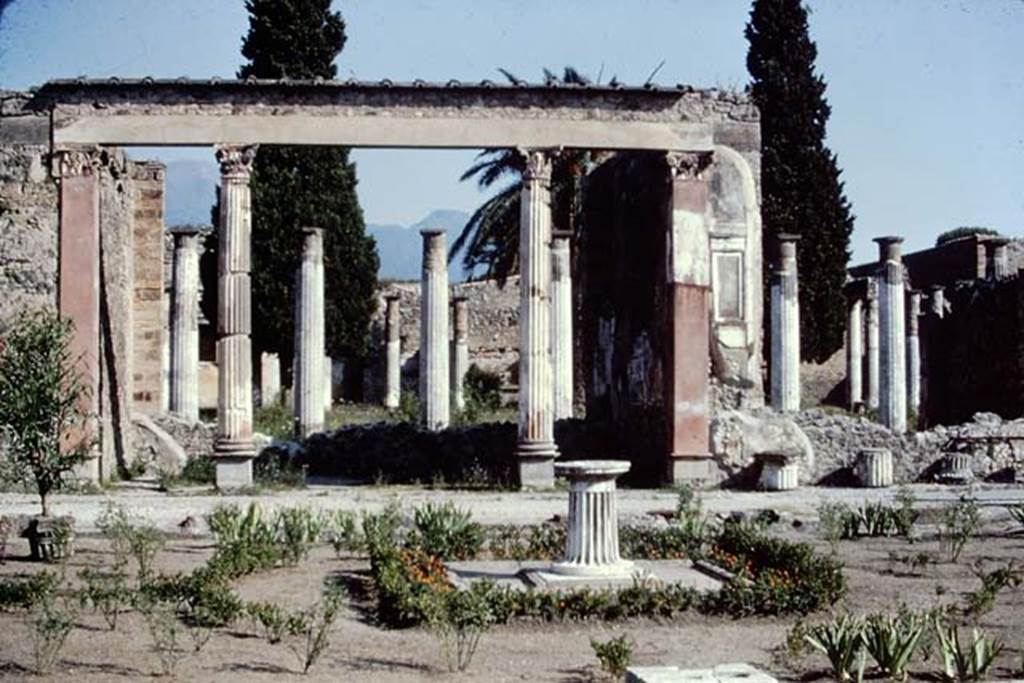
(778, 472)
(233, 449)
(434, 377)
(459, 351)
(913, 351)
(785, 367)
(184, 399)
(592, 540)
(561, 323)
(892, 396)
(393, 353)
(309, 377)
(871, 352)
(535, 449)
(873, 467)
(854, 355)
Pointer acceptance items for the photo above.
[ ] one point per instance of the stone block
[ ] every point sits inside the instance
(873, 467)
(723, 673)
(233, 473)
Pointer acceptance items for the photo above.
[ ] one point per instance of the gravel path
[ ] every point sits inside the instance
(167, 510)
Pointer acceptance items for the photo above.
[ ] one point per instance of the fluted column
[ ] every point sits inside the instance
(459, 350)
(688, 275)
(592, 537)
(892, 398)
(1000, 257)
(270, 378)
(854, 354)
(328, 382)
(308, 382)
(785, 367)
(561, 323)
(913, 361)
(393, 352)
(874, 369)
(434, 396)
(234, 448)
(184, 399)
(536, 448)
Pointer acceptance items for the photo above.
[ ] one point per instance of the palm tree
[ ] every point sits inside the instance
(490, 237)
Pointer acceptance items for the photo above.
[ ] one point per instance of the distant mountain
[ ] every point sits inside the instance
(191, 191)
(401, 247)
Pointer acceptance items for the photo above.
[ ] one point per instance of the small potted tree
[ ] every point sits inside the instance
(42, 419)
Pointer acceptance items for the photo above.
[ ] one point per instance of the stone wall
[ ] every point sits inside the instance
(150, 311)
(975, 354)
(28, 215)
(493, 332)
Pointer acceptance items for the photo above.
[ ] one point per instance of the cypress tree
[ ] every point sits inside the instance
(801, 189)
(305, 186)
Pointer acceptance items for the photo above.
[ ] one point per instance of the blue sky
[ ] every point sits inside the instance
(927, 95)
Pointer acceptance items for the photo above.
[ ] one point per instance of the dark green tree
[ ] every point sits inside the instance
(801, 189)
(299, 186)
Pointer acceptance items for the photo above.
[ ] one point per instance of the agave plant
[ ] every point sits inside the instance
(891, 641)
(842, 641)
(963, 662)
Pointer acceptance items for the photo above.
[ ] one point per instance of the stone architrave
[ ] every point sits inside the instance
(688, 274)
(184, 400)
(892, 348)
(536, 449)
(854, 355)
(270, 378)
(393, 357)
(785, 365)
(561, 323)
(78, 292)
(592, 538)
(434, 372)
(913, 304)
(328, 382)
(871, 351)
(459, 350)
(233, 450)
(309, 377)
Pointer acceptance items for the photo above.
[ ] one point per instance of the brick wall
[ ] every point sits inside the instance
(149, 307)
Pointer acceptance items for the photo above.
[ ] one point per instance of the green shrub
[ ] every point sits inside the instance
(905, 515)
(458, 619)
(482, 388)
(408, 410)
(963, 661)
(980, 602)
(614, 655)
(959, 522)
(841, 641)
(275, 621)
(311, 629)
(447, 532)
(299, 529)
(963, 231)
(834, 521)
(51, 626)
(342, 532)
(42, 420)
(891, 641)
(131, 537)
(876, 519)
(164, 628)
(276, 421)
(247, 542)
(107, 592)
(199, 470)
(27, 592)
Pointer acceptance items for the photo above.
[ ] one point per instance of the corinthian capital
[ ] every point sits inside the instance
(71, 163)
(538, 164)
(688, 165)
(236, 160)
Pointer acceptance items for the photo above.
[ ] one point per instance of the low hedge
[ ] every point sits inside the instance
(771, 576)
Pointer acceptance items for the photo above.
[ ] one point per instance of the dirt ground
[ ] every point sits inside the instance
(361, 650)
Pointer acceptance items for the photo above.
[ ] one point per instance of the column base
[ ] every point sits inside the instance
(536, 465)
(233, 463)
(691, 469)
